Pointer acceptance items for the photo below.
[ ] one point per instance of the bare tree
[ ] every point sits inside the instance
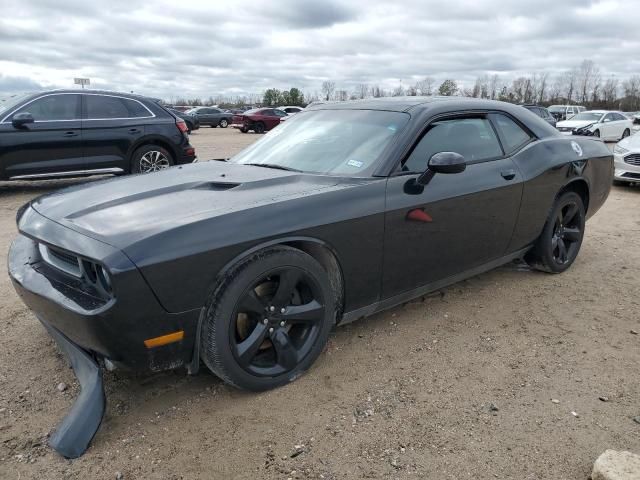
(328, 87)
(362, 91)
(542, 87)
(425, 86)
(412, 91)
(398, 91)
(493, 86)
(610, 92)
(587, 71)
(570, 82)
(377, 92)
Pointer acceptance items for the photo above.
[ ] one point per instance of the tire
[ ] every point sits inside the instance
(254, 336)
(244, 130)
(224, 123)
(626, 133)
(151, 158)
(561, 238)
(620, 183)
(596, 133)
(259, 127)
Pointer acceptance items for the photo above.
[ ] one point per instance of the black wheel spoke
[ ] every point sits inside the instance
(248, 348)
(572, 210)
(286, 354)
(252, 303)
(307, 313)
(287, 283)
(562, 250)
(571, 234)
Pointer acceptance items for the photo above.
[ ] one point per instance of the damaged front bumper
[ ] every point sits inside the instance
(73, 435)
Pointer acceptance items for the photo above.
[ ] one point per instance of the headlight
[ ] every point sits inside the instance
(619, 150)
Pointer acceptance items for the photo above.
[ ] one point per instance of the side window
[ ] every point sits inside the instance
(608, 117)
(214, 110)
(280, 113)
(53, 107)
(511, 134)
(619, 116)
(473, 138)
(100, 107)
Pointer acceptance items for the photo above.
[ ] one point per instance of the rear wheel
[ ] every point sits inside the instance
(561, 238)
(259, 127)
(150, 158)
(268, 322)
(224, 123)
(244, 129)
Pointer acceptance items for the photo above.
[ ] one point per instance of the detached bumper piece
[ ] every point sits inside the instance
(73, 435)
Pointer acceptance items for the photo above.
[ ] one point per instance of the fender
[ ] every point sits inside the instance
(151, 138)
(194, 366)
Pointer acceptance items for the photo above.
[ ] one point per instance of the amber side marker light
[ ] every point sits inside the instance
(164, 339)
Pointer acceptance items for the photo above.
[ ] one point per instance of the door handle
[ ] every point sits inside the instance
(134, 130)
(70, 134)
(508, 174)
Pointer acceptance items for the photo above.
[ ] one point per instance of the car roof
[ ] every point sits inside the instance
(95, 92)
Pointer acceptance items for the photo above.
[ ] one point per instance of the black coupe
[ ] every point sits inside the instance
(344, 210)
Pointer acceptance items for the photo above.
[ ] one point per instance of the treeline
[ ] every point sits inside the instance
(584, 84)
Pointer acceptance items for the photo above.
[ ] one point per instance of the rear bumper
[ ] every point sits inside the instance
(186, 155)
(114, 329)
(74, 433)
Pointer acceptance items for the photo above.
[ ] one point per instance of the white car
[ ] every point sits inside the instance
(636, 124)
(291, 110)
(598, 123)
(626, 160)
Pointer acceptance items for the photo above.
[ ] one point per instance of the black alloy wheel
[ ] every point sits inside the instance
(560, 241)
(269, 320)
(259, 127)
(277, 321)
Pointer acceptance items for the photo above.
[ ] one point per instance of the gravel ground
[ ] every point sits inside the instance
(513, 374)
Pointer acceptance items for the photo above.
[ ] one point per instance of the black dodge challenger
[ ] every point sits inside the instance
(342, 211)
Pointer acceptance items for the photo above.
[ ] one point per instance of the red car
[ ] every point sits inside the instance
(259, 120)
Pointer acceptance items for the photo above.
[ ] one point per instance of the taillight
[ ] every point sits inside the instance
(182, 126)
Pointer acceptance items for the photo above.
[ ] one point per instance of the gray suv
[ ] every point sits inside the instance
(211, 116)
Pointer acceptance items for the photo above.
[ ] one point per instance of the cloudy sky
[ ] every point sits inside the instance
(204, 48)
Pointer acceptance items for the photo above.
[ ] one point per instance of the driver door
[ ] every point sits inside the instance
(458, 221)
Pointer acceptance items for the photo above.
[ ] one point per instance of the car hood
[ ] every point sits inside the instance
(575, 123)
(125, 210)
(631, 143)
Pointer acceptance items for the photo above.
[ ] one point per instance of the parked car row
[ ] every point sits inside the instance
(610, 126)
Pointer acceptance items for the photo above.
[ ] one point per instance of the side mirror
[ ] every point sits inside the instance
(21, 119)
(442, 162)
(606, 120)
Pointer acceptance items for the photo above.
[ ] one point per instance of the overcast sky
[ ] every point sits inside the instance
(202, 48)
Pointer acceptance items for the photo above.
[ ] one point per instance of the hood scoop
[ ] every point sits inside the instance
(146, 195)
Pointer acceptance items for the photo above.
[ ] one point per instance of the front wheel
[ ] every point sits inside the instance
(560, 241)
(259, 127)
(224, 123)
(269, 319)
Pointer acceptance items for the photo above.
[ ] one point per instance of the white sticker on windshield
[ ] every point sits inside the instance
(355, 163)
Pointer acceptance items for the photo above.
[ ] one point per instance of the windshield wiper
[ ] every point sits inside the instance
(273, 165)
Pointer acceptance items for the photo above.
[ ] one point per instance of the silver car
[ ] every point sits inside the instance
(626, 159)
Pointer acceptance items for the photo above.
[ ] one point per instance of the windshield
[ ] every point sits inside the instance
(587, 116)
(557, 108)
(10, 101)
(327, 141)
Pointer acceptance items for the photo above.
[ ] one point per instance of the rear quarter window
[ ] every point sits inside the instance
(512, 135)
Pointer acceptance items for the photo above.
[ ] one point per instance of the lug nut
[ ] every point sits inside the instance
(265, 321)
(282, 310)
(282, 324)
(271, 330)
(272, 308)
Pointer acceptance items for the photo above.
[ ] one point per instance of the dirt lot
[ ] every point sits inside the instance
(458, 385)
